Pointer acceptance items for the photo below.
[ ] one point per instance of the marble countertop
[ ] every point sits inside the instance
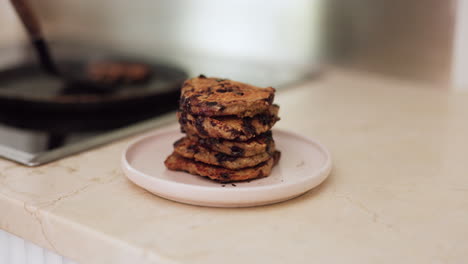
(398, 192)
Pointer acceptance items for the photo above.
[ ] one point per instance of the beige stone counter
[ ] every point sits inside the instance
(398, 192)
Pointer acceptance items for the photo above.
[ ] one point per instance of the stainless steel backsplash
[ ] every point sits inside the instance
(405, 38)
(268, 30)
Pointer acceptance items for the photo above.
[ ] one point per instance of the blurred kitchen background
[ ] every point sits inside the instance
(263, 42)
(248, 40)
(414, 39)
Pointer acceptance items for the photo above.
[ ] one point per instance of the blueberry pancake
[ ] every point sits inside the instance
(220, 174)
(251, 147)
(220, 97)
(229, 127)
(191, 150)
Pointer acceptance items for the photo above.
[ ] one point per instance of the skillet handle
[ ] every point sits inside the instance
(33, 28)
(28, 18)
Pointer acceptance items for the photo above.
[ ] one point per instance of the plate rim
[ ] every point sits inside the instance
(324, 170)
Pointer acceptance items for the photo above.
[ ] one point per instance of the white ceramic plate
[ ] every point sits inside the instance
(304, 164)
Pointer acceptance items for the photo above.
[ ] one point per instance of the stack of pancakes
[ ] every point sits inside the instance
(227, 126)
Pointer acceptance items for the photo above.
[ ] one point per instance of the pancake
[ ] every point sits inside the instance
(192, 150)
(221, 97)
(220, 174)
(259, 144)
(229, 127)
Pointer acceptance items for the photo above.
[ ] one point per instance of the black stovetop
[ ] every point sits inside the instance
(40, 132)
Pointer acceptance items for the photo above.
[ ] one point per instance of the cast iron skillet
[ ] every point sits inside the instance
(66, 86)
(26, 88)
